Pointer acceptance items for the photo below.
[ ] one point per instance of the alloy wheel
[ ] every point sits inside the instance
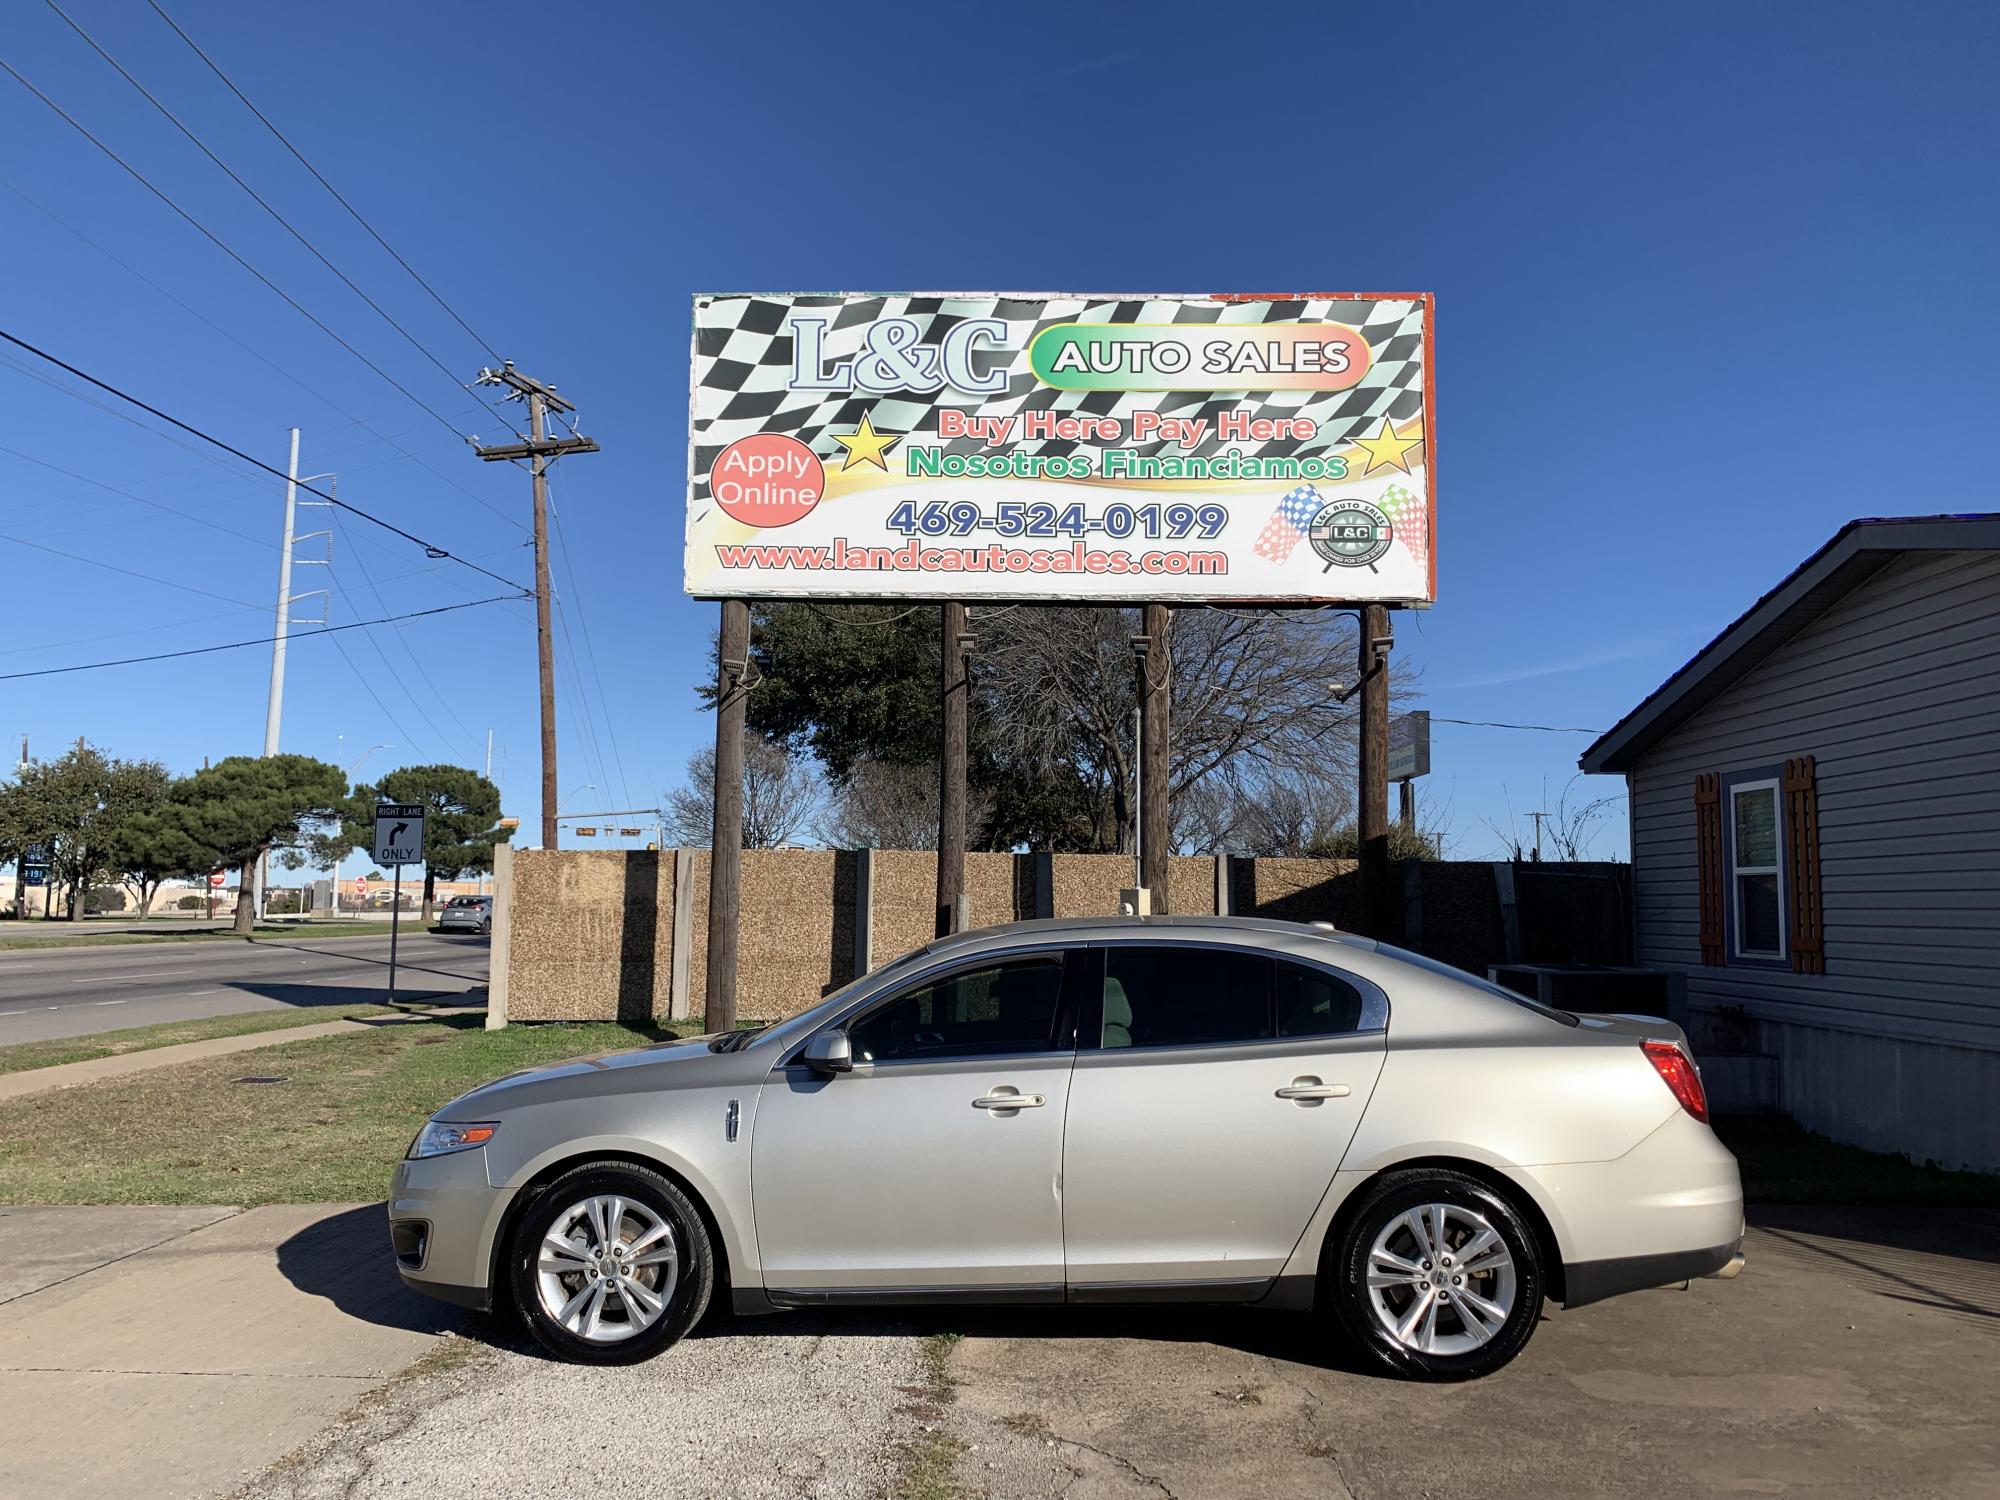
(1441, 1279)
(607, 1268)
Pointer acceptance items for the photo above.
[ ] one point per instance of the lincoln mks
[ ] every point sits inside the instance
(1166, 1109)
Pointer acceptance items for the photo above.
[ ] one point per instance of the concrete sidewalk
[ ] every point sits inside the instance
(170, 1352)
(91, 1070)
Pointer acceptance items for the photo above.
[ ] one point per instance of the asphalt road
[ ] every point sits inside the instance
(76, 991)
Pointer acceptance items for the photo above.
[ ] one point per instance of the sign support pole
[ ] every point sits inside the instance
(1374, 769)
(395, 923)
(1155, 683)
(951, 775)
(725, 858)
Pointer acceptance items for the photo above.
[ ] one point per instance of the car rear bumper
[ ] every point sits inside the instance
(1591, 1281)
(1668, 1210)
(443, 1217)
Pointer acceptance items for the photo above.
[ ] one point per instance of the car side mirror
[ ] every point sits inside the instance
(830, 1052)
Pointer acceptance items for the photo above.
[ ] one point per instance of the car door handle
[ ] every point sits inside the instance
(1009, 1101)
(1311, 1090)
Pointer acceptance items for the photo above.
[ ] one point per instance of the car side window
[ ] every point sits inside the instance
(1312, 1002)
(1180, 997)
(997, 1008)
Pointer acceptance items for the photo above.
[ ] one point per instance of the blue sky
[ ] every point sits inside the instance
(1711, 280)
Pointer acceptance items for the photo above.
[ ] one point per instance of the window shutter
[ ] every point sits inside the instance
(1708, 863)
(1802, 840)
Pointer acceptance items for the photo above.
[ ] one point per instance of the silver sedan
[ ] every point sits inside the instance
(1089, 1111)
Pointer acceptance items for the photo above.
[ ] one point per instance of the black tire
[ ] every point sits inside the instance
(685, 1303)
(1346, 1276)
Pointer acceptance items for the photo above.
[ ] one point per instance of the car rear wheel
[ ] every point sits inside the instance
(1437, 1276)
(610, 1265)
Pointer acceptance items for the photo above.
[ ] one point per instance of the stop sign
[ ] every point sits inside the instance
(217, 878)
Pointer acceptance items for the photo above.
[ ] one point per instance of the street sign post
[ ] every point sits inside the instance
(399, 841)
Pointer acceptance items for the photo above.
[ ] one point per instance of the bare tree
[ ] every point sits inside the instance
(781, 796)
(885, 806)
(1251, 703)
(1567, 830)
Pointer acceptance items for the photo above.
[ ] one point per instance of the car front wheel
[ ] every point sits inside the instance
(610, 1265)
(1437, 1276)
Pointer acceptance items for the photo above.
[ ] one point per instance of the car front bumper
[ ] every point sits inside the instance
(444, 1217)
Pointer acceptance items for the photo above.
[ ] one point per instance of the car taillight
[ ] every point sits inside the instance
(1677, 1071)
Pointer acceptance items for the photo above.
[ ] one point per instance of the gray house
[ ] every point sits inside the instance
(1815, 805)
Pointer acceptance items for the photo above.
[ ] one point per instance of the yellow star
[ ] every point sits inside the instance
(1386, 448)
(865, 445)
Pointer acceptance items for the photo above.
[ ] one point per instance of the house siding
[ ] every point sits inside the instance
(1895, 691)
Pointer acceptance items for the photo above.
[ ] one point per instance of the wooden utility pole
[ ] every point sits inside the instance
(1155, 683)
(540, 450)
(1374, 767)
(951, 912)
(725, 854)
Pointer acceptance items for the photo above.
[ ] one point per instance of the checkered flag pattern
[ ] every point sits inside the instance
(743, 363)
(1288, 524)
(1407, 514)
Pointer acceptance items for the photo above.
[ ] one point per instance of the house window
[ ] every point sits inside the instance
(1756, 872)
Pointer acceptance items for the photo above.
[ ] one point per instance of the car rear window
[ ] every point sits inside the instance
(1432, 965)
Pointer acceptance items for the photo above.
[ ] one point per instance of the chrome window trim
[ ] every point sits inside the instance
(1374, 1000)
(1255, 1048)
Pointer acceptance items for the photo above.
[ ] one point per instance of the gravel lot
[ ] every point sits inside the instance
(1854, 1360)
(753, 1408)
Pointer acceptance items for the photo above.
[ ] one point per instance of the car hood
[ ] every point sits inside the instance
(664, 1065)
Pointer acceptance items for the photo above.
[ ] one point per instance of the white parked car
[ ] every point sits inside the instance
(1126, 1110)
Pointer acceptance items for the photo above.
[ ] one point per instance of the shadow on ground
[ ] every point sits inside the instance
(1942, 1258)
(315, 996)
(346, 1260)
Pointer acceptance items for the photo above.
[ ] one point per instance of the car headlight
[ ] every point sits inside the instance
(442, 1137)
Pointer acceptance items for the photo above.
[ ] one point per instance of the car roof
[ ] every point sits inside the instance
(1086, 929)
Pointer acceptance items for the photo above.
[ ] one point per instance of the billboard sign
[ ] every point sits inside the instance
(1410, 745)
(995, 446)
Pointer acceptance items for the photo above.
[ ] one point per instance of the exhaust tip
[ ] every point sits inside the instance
(1732, 1269)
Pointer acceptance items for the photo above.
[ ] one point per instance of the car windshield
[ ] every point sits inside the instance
(1434, 966)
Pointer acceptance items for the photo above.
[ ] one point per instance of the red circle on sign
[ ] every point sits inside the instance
(767, 480)
(215, 879)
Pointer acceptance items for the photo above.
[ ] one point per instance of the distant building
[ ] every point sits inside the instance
(1815, 806)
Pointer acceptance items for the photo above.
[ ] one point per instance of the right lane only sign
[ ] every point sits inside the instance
(399, 834)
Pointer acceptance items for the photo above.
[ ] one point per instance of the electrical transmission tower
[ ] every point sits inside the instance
(540, 450)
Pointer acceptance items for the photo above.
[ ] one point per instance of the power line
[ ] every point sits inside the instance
(387, 439)
(1492, 724)
(186, 588)
(415, 660)
(261, 202)
(112, 489)
(589, 648)
(351, 209)
(262, 640)
(354, 510)
(224, 247)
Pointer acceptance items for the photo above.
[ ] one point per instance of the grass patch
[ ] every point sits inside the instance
(86, 939)
(24, 1055)
(1785, 1163)
(927, 1464)
(330, 1132)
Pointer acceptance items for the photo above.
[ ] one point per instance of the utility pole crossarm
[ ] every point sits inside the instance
(548, 448)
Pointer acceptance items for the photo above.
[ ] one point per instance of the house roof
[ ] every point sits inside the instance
(1854, 553)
